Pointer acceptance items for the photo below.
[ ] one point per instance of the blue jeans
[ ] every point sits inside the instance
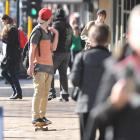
(61, 61)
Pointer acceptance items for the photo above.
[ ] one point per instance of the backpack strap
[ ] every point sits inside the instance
(39, 41)
(38, 44)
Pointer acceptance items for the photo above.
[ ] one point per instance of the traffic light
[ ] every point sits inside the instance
(24, 7)
(33, 8)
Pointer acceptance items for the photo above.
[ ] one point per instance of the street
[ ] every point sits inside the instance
(17, 116)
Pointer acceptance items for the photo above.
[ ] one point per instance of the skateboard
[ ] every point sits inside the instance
(41, 126)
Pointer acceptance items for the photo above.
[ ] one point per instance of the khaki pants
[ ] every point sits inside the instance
(42, 83)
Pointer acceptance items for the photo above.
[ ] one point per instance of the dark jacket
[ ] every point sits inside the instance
(13, 51)
(86, 74)
(125, 122)
(65, 31)
(60, 25)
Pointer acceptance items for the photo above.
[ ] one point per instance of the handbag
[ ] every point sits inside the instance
(75, 93)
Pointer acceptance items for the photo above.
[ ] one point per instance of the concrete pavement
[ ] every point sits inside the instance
(17, 117)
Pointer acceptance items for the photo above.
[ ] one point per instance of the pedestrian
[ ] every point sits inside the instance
(88, 69)
(76, 46)
(41, 64)
(61, 55)
(11, 60)
(119, 103)
(101, 17)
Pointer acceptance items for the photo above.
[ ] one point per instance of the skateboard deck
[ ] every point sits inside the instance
(41, 126)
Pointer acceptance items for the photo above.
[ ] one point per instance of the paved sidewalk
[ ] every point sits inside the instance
(17, 117)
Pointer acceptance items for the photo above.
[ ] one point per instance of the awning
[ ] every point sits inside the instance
(62, 1)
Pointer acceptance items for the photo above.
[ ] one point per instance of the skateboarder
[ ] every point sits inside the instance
(41, 64)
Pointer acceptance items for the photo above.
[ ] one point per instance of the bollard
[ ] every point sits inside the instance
(1, 123)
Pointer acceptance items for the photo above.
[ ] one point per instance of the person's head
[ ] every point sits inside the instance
(133, 35)
(101, 16)
(99, 35)
(7, 19)
(8, 22)
(45, 17)
(60, 13)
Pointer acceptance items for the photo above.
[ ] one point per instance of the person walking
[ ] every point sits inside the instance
(88, 69)
(11, 61)
(41, 63)
(61, 55)
(101, 17)
(76, 46)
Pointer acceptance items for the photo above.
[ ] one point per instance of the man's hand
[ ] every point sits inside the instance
(53, 30)
(30, 70)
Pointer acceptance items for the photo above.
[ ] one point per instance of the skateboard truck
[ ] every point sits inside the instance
(41, 126)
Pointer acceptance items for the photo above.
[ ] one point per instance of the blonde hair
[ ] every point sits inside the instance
(99, 34)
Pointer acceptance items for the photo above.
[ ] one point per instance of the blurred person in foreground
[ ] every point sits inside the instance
(118, 102)
(41, 63)
(87, 71)
(11, 61)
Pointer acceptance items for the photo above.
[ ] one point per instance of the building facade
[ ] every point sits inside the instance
(118, 12)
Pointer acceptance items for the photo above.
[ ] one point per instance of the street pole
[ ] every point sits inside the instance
(18, 13)
(7, 7)
(1, 123)
(30, 25)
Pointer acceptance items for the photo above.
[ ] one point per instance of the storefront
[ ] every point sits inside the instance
(121, 15)
(117, 16)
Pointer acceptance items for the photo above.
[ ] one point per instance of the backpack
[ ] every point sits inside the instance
(17, 50)
(25, 54)
(22, 38)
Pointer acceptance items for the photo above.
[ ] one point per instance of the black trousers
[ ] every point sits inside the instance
(83, 124)
(61, 61)
(72, 57)
(10, 74)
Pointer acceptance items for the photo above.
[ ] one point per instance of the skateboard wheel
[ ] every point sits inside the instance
(46, 128)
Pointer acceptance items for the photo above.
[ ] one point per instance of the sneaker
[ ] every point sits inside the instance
(37, 120)
(16, 96)
(63, 97)
(51, 96)
(46, 120)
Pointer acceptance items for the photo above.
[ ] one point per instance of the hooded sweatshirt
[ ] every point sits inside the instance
(60, 24)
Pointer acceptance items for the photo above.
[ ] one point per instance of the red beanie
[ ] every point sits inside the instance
(45, 13)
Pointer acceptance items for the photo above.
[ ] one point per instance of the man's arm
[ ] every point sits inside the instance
(55, 40)
(84, 33)
(77, 70)
(30, 70)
